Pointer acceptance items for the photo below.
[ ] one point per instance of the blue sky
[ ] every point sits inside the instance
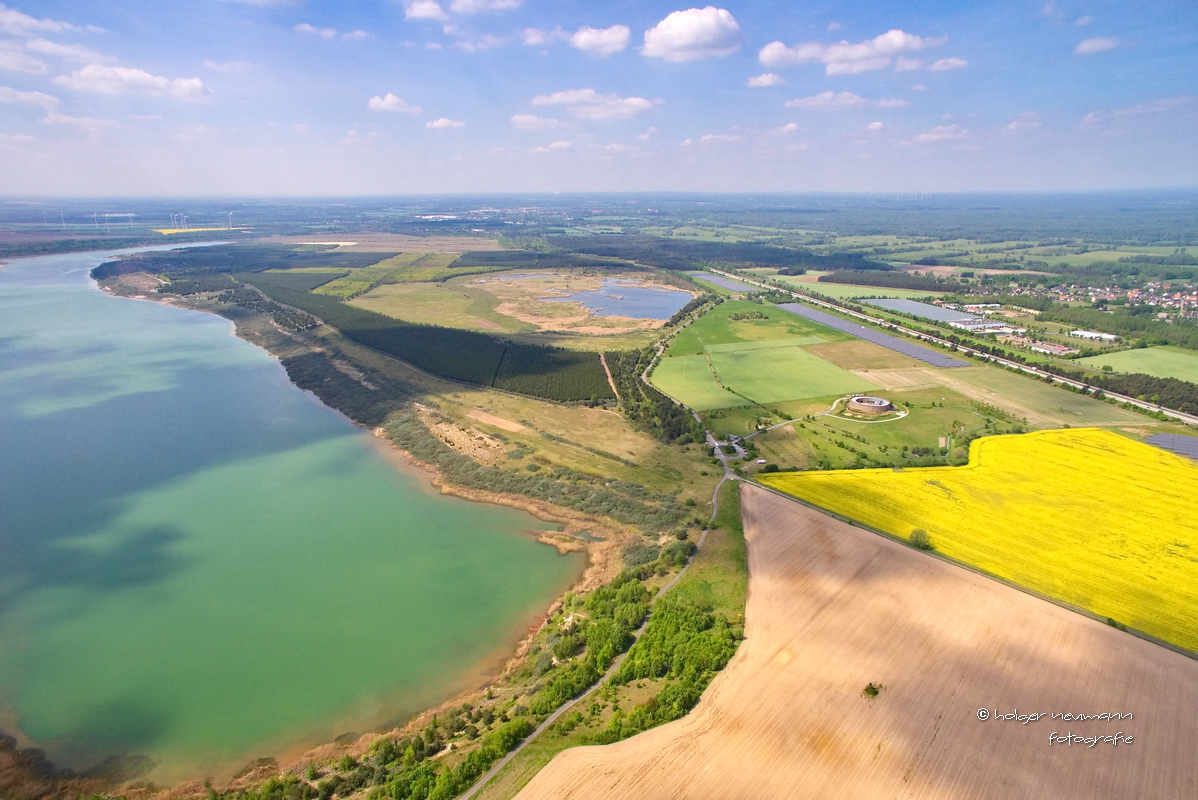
(271, 97)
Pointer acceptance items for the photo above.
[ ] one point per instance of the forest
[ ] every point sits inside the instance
(646, 407)
(686, 255)
(892, 280)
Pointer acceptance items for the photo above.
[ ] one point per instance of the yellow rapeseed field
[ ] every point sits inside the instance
(1085, 516)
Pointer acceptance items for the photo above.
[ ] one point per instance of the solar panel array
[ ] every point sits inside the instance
(925, 354)
(726, 283)
(1176, 443)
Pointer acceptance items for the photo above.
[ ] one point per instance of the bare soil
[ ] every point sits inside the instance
(833, 608)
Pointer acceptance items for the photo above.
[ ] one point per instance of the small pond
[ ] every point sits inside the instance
(625, 298)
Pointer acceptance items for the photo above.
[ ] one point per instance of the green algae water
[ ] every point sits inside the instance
(201, 563)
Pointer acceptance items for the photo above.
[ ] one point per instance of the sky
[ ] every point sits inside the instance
(362, 97)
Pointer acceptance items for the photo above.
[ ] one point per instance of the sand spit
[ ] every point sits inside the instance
(832, 608)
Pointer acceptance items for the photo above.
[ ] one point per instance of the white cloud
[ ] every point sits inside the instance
(531, 122)
(485, 42)
(358, 34)
(844, 58)
(89, 123)
(444, 123)
(1095, 45)
(479, 6)
(1025, 122)
(768, 79)
(834, 26)
(1083, 21)
(70, 52)
(390, 102)
(589, 104)
(616, 148)
(17, 24)
(229, 66)
(424, 9)
(1151, 107)
(720, 138)
(323, 33)
(268, 2)
(874, 126)
(945, 64)
(831, 101)
(535, 37)
(601, 41)
(919, 87)
(787, 129)
(123, 80)
(904, 64)
(942, 133)
(10, 95)
(562, 145)
(15, 59)
(693, 34)
(647, 135)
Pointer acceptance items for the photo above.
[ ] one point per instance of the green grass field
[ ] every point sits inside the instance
(689, 379)
(715, 328)
(1161, 362)
(778, 374)
(794, 341)
(1043, 405)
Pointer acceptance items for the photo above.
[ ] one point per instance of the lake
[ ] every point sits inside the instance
(618, 297)
(202, 563)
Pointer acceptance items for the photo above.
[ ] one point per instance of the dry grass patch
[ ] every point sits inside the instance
(832, 608)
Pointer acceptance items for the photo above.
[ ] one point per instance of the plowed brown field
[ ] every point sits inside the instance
(832, 608)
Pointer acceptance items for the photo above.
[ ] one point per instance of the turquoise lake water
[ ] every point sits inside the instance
(201, 563)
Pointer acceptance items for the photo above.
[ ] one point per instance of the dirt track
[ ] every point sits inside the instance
(831, 608)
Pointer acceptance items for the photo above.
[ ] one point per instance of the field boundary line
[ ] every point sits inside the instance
(976, 570)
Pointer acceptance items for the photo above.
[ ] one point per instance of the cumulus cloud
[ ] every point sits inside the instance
(768, 79)
(123, 80)
(69, 52)
(787, 129)
(534, 37)
(718, 138)
(647, 135)
(693, 34)
(945, 64)
(424, 9)
(601, 41)
(844, 58)
(10, 95)
(1025, 122)
(323, 33)
(484, 42)
(589, 104)
(531, 122)
(831, 101)
(229, 66)
(444, 123)
(13, 58)
(15, 23)
(1083, 21)
(904, 64)
(874, 126)
(942, 133)
(616, 148)
(390, 102)
(480, 6)
(1095, 45)
(562, 145)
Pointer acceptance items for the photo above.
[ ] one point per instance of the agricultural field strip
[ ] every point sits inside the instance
(1175, 443)
(1023, 368)
(1061, 533)
(831, 608)
(778, 374)
(732, 347)
(924, 354)
(1160, 362)
(724, 283)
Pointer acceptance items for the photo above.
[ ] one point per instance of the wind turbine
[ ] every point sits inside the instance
(231, 213)
(96, 219)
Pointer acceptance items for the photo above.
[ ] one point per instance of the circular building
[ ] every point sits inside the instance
(870, 406)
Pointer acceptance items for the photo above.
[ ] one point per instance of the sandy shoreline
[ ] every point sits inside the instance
(602, 562)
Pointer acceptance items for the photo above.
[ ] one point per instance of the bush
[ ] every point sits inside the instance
(919, 539)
